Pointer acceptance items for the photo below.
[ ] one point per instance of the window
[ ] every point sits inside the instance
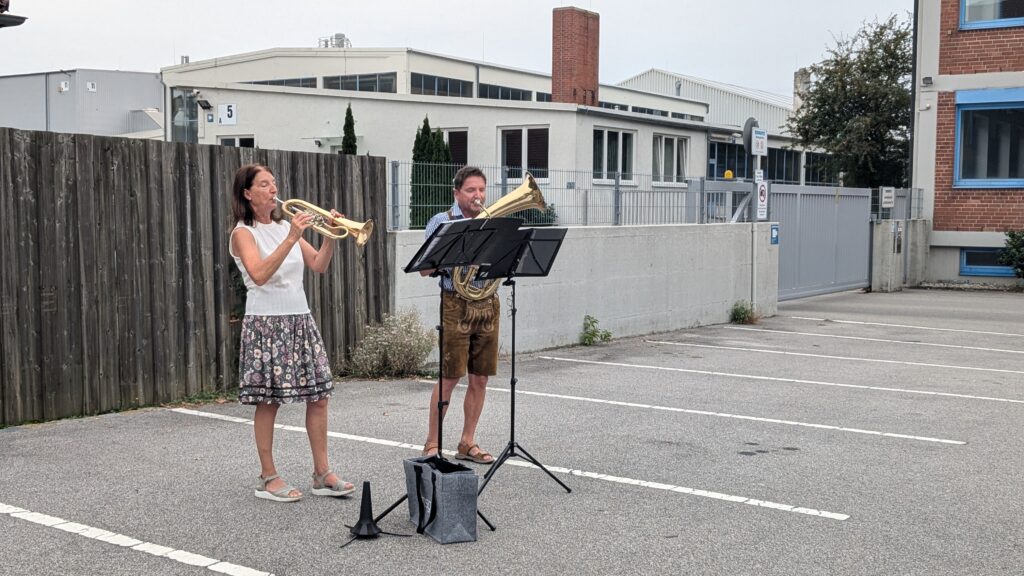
(783, 166)
(991, 13)
(184, 116)
(293, 82)
(983, 262)
(681, 116)
(817, 171)
(504, 93)
(362, 82)
(543, 97)
(612, 105)
(669, 159)
(458, 142)
(440, 86)
(534, 155)
(237, 141)
(989, 139)
(724, 156)
(613, 154)
(652, 111)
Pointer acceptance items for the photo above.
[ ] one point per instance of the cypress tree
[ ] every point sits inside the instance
(348, 140)
(421, 207)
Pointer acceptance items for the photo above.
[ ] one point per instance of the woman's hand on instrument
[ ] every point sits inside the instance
(335, 214)
(300, 222)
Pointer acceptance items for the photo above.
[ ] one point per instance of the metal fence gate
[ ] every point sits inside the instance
(824, 238)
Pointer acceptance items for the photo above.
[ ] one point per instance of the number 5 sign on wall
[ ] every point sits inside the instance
(227, 114)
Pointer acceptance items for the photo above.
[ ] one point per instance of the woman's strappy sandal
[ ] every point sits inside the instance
(481, 456)
(428, 448)
(280, 495)
(322, 488)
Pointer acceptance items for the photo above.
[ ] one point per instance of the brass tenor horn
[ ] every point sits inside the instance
(526, 197)
(326, 224)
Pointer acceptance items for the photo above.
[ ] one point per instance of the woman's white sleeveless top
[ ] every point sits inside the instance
(282, 294)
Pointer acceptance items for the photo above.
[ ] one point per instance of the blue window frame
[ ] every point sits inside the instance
(983, 262)
(989, 151)
(975, 14)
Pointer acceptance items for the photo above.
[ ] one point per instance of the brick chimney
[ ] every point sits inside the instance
(574, 55)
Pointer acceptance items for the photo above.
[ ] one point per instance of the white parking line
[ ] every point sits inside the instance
(719, 415)
(580, 473)
(128, 542)
(863, 338)
(792, 380)
(727, 415)
(906, 326)
(830, 357)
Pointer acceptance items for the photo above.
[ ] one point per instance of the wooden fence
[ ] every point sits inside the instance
(116, 286)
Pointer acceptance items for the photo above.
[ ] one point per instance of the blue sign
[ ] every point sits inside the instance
(775, 233)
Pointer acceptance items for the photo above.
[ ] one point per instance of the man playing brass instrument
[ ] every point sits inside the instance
(469, 329)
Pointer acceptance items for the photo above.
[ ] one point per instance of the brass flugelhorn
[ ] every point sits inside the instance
(324, 223)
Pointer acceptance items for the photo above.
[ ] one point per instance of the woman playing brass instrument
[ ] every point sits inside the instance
(282, 358)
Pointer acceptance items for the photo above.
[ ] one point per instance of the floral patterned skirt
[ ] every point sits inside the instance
(282, 360)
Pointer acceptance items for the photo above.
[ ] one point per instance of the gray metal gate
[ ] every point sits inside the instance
(824, 238)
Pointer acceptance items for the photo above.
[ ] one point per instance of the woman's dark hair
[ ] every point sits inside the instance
(241, 209)
(466, 172)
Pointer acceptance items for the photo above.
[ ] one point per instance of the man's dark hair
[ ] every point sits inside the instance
(466, 172)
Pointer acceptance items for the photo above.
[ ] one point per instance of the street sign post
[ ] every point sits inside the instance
(762, 200)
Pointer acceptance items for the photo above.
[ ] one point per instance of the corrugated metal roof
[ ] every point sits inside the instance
(763, 96)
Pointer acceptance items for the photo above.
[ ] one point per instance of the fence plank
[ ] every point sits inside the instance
(25, 147)
(11, 331)
(86, 216)
(188, 175)
(356, 197)
(156, 272)
(205, 276)
(174, 192)
(141, 301)
(66, 289)
(125, 253)
(222, 169)
(109, 391)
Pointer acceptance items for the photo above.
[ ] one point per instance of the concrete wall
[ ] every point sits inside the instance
(889, 267)
(634, 280)
(887, 246)
(918, 243)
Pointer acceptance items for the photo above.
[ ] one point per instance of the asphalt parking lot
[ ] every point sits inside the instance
(850, 434)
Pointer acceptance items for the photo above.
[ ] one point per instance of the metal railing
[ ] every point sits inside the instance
(907, 206)
(574, 197)
(584, 198)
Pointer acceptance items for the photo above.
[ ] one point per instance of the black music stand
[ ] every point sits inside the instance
(466, 242)
(532, 257)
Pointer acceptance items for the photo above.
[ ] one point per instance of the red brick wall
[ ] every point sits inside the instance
(574, 56)
(977, 51)
(968, 209)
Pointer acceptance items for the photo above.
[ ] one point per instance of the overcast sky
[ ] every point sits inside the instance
(752, 43)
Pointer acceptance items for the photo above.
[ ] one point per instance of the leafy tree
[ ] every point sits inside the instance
(348, 139)
(858, 107)
(1013, 254)
(432, 173)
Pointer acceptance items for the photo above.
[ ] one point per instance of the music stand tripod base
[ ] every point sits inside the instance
(532, 257)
